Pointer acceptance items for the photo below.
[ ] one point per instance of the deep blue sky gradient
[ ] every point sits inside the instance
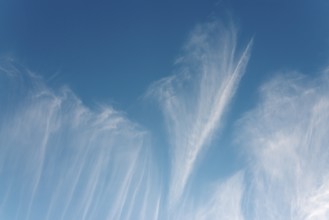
(110, 51)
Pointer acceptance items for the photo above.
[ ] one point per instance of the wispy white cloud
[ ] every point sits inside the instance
(61, 160)
(85, 164)
(194, 100)
(222, 200)
(286, 139)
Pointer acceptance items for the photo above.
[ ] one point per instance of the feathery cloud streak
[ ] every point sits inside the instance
(62, 160)
(222, 200)
(286, 140)
(194, 100)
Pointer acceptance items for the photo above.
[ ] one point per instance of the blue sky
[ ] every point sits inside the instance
(153, 110)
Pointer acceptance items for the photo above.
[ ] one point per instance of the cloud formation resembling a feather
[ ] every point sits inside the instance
(60, 159)
(194, 100)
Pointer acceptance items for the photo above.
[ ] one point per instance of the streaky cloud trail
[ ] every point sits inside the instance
(194, 100)
(87, 164)
(286, 141)
(222, 200)
(61, 160)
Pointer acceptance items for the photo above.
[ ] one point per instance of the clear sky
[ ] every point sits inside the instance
(164, 110)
